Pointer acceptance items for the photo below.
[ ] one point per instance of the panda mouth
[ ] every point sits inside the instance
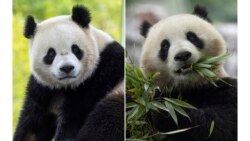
(185, 69)
(67, 77)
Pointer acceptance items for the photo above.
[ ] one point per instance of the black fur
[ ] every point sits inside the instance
(218, 104)
(163, 53)
(201, 12)
(105, 122)
(73, 105)
(81, 16)
(77, 51)
(36, 119)
(145, 28)
(194, 39)
(30, 27)
(50, 56)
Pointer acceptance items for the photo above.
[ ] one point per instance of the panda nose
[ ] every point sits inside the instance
(67, 68)
(183, 56)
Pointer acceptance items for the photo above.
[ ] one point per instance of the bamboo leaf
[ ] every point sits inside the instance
(226, 82)
(180, 111)
(178, 131)
(146, 86)
(203, 65)
(216, 58)
(180, 103)
(155, 75)
(141, 112)
(160, 105)
(133, 112)
(212, 82)
(138, 72)
(171, 111)
(200, 73)
(208, 73)
(130, 105)
(141, 101)
(211, 129)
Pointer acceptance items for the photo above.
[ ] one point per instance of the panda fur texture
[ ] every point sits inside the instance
(71, 92)
(169, 46)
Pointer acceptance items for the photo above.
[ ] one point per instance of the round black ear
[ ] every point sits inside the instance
(201, 12)
(30, 27)
(145, 28)
(81, 15)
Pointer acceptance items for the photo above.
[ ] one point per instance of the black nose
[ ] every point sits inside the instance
(67, 68)
(182, 56)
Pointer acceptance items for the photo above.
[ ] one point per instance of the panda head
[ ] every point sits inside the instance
(174, 43)
(63, 51)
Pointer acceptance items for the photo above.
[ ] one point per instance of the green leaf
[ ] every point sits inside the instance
(180, 103)
(138, 72)
(133, 112)
(211, 129)
(146, 86)
(159, 105)
(180, 111)
(212, 82)
(208, 73)
(134, 90)
(141, 112)
(203, 65)
(200, 73)
(141, 101)
(225, 82)
(216, 58)
(130, 105)
(134, 81)
(178, 131)
(171, 111)
(155, 75)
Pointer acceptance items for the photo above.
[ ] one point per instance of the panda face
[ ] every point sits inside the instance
(174, 44)
(62, 53)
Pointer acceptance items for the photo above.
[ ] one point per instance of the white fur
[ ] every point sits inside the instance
(174, 29)
(61, 33)
(63, 60)
(101, 38)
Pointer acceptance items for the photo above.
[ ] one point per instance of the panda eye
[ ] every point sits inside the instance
(51, 52)
(49, 57)
(192, 37)
(165, 44)
(163, 53)
(77, 51)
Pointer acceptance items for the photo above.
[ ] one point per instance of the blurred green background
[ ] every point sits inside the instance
(106, 15)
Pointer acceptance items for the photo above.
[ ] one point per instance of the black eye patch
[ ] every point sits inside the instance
(77, 51)
(195, 40)
(50, 56)
(163, 53)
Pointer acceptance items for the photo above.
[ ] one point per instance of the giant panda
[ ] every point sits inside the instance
(170, 47)
(75, 91)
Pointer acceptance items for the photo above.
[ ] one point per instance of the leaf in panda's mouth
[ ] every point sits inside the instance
(185, 68)
(206, 67)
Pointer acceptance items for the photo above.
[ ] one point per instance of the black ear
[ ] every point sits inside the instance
(30, 27)
(81, 15)
(201, 12)
(145, 28)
